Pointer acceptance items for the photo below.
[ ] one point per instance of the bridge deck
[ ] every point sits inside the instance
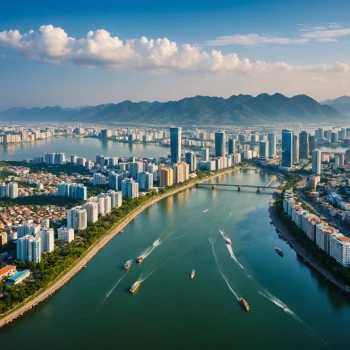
(234, 185)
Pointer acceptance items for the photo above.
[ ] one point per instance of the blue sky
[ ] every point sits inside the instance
(73, 53)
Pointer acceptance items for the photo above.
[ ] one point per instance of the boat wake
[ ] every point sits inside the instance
(174, 239)
(114, 287)
(220, 270)
(230, 214)
(111, 291)
(284, 307)
(229, 247)
(142, 279)
(150, 249)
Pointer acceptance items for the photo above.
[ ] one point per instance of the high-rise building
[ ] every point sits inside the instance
(29, 248)
(47, 238)
(153, 169)
(319, 134)
(135, 168)
(91, 211)
(3, 239)
(166, 177)
(264, 150)
(272, 138)
(99, 179)
(113, 180)
(175, 144)
(181, 172)
(73, 159)
(63, 189)
(334, 137)
(105, 202)
(341, 158)
(220, 144)
(287, 148)
(116, 198)
(328, 134)
(342, 134)
(191, 160)
(13, 190)
(231, 146)
(77, 218)
(130, 188)
(145, 181)
(65, 234)
(295, 149)
(303, 145)
(78, 191)
(312, 143)
(205, 154)
(316, 161)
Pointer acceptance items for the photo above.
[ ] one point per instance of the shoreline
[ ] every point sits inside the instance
(301, 251)
(93, 250)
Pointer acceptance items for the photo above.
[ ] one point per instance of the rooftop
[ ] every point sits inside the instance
(6, 269)
(18, 275)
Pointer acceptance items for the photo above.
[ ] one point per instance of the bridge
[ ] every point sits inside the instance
(259, 188)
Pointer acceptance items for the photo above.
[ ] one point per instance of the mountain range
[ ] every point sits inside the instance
(341, 104)
(241, 109)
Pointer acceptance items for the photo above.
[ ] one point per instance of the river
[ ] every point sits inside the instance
(82, 147)
(171, 311)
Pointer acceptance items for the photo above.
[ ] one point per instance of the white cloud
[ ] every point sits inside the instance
(99, 49)
(326, 33)
(254, 40)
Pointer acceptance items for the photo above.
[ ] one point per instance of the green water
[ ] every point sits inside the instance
(171, 311)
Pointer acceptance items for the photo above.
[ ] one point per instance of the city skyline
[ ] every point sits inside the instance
(122, 53)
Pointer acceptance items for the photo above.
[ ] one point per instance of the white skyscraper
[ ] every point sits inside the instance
(13, 190)
(116, 198)
(65, 234)
(272, 139)
(47, 240)
(29, 248)
(264, 150)
(316, 161)
(92, 211)
(77, 218)
(205, 154)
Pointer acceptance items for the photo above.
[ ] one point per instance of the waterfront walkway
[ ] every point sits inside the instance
(303, 253)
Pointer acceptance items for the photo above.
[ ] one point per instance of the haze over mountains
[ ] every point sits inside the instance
(241, 109)
(341, 104)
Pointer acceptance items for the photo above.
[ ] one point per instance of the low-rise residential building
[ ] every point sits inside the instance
(7, 271)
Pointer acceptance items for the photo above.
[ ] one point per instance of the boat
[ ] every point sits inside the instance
(121, 231)
(193, 273)
(127, 265)
(244, 304)
(228, 241)
(135, 287)
(139, 259)
(282, 305)
(279, 251)
(84, 266)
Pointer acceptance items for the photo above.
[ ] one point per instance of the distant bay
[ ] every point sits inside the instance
(82, 147)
